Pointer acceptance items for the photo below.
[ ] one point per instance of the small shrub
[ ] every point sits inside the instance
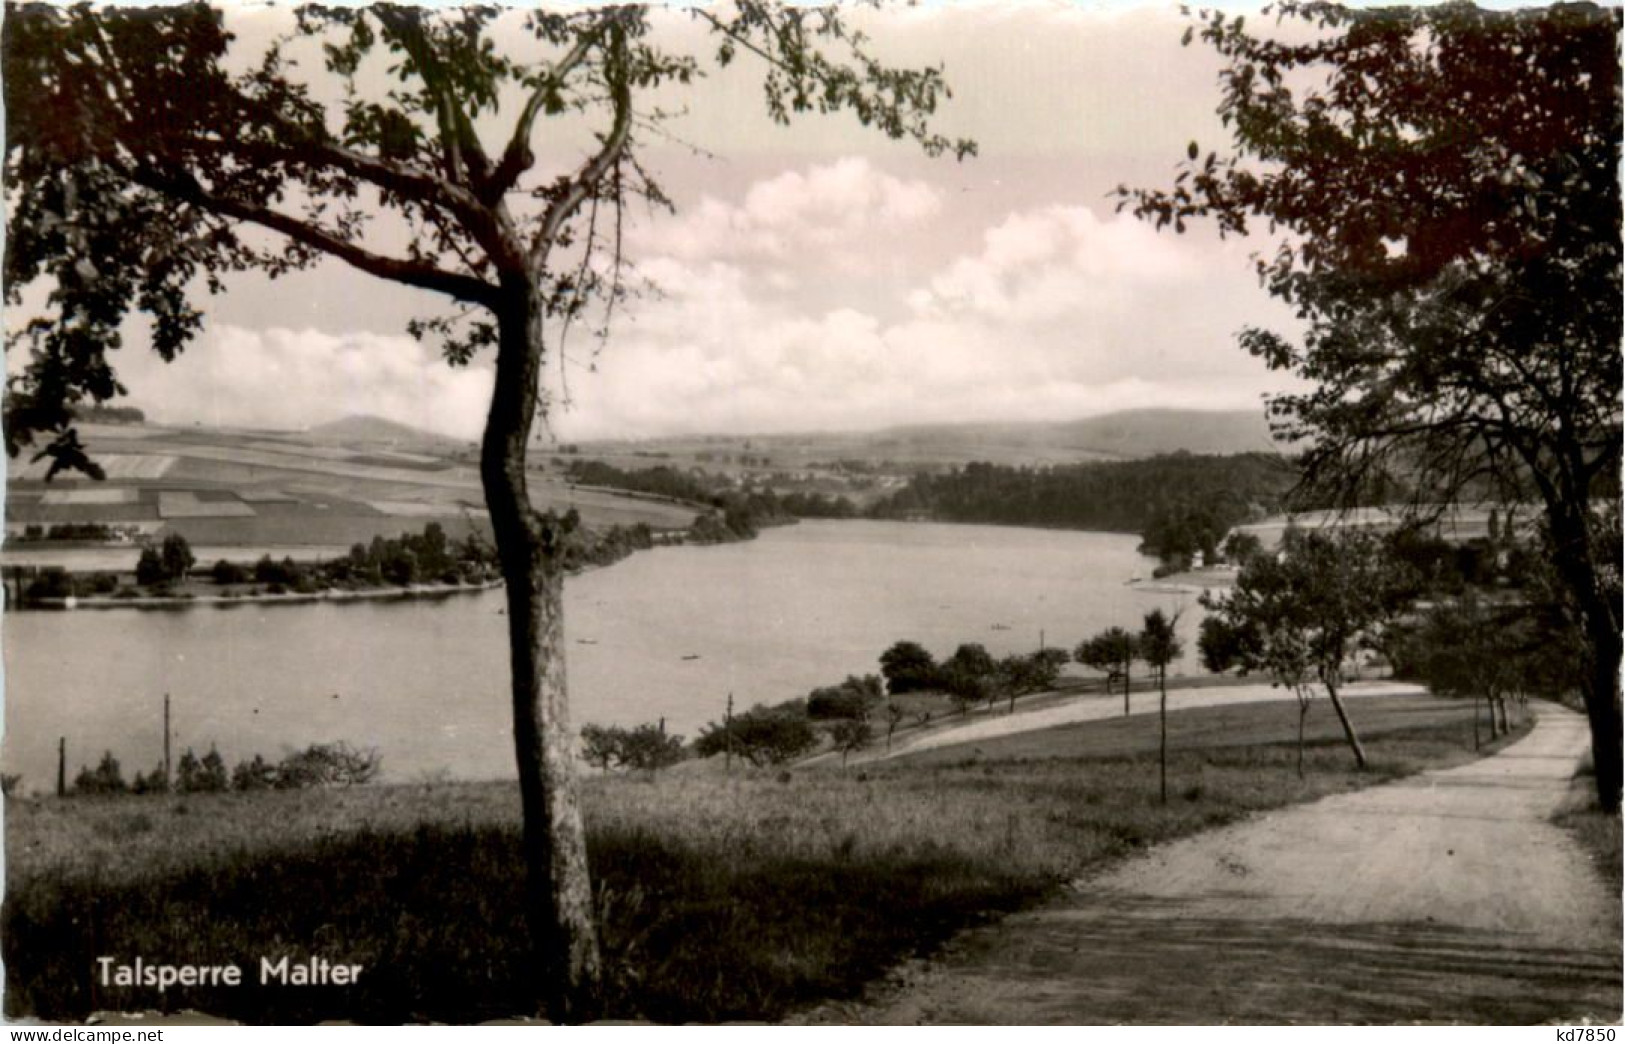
(327, 764)
(97, 584)
(257, 774)
(762, 735)
(154, 782)
(646, 747)
(106, 778)
(853, 698)
(194, 775)
(229, 573)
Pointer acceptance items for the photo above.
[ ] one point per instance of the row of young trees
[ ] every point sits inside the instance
(970, 674)
(318, 765)
(850, 714)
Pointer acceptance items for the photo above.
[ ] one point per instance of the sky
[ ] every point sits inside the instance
(820, 277)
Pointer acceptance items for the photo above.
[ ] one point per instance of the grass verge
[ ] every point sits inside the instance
(719, 898)
(1597, 831)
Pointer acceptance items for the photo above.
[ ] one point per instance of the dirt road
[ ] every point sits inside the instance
(1448, 897)
(1098, 708)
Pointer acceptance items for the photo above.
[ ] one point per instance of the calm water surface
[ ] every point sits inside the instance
(667, 633)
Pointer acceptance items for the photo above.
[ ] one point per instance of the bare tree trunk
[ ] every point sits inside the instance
(1125, 689)
(1477, 731)
(1162, 713)
(1602, 710)
(1303, 714)
(1600, 621)
(558, 889)
(1348, 726)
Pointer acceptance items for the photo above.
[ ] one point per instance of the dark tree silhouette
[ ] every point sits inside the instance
(1113, 650)
(142, 146)
(1445, 183)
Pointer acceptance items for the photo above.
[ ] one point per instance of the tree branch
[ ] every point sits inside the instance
(585, 181)
(426, 277)
(464, 161)
(517, 157)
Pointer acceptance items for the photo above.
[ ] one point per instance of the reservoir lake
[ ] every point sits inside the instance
(667, 633)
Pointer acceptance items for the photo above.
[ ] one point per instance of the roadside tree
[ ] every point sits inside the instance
(970, 658)
(147, 157)
(600, 745)
(1114, 651)
(850, 736)
(762, 735)
(894, 717)
(649, 748)
(908, 667)
(1443, 185)
(1262, 639)
(854, 698)
(1159, 646)
(1302, 614)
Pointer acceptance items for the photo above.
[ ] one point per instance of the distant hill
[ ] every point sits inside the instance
(1147, 433)
(365, 429)
(1128, 435)
(1125, 435)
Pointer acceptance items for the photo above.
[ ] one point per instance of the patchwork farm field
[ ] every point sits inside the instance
(255, 488)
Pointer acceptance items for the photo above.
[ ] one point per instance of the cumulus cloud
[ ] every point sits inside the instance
(283, 378)
(1057, 313)
(834, 208)
(820, 298)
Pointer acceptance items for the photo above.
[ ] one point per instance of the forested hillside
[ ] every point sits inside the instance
(1180, 502)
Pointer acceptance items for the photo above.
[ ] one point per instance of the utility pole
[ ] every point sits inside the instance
(62, 762)
(167, 777)
(728, 737)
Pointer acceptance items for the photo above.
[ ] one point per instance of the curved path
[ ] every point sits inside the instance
(1446, 897)
(1104, 708)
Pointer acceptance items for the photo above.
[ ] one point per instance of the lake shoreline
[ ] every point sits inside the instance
(409, 591)
(423, 676)
(412, 591)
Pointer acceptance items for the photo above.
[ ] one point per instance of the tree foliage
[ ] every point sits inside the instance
(140, 145)
(1179, 502)
(851, 735)
(762, 735)
(147, 156)
(1299, 616)
(201, 775)
(106, 778)
(1443, 185)
(908, 667)
(644, 748)
(1113, 651)
(853, 699)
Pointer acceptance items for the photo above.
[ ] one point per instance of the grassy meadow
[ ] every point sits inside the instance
(742, 897)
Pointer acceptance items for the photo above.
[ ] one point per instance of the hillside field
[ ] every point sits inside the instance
(247, 488)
